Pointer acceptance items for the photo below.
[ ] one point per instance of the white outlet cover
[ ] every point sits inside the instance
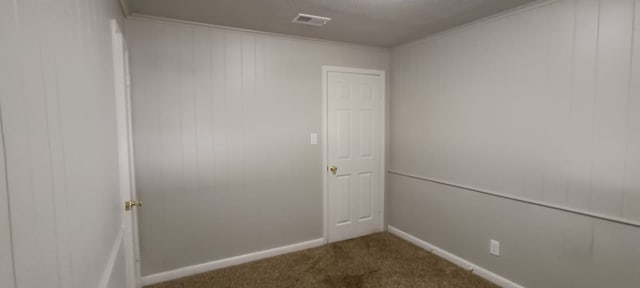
(313, 139)
(494, 248)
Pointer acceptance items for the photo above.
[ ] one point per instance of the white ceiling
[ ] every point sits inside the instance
(372, 22)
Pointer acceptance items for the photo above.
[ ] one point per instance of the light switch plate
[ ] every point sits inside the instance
(494, 248)
(314, 138)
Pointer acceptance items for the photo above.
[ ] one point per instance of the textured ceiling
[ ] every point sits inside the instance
(372, 22)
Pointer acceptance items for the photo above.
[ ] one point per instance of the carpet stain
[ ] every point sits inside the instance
(374, 261)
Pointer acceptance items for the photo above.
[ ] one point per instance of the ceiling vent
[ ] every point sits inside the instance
(310, 19)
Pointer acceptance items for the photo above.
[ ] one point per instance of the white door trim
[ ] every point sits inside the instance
(325, 144)
(129, 241)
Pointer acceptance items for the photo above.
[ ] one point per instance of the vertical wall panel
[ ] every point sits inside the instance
(33, 214)
(147, 130)
(583, 100)
(56, 83)
(250, 116)
(203, 129)
(612, 94)
(558, 90)
(8, 84)
(234, 134)
(219, 203)
(170, 122)
(186, 190)
(631, 209)
(263, 123)
(221, 133)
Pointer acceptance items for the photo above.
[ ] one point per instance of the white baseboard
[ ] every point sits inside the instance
(484, 273)
(222, 263)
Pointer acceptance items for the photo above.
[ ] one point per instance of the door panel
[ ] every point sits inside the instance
(343, 187)
(354, 134)
(366, 133)
(343, 134)
(365, 187)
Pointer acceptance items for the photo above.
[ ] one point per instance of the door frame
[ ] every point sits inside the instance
(325, 143)
(122, 78)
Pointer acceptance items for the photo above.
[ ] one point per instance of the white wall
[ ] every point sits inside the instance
(58, 119)
(221, 130)
(541, 104)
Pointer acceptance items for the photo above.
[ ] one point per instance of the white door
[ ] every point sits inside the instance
(127, 179)
(355, 126)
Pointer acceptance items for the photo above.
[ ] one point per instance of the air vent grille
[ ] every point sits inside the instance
(310, 20)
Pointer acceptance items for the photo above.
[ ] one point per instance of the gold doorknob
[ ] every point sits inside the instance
(132, 203)
(333, 169)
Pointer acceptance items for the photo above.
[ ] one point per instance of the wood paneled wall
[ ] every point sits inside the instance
(543, 104)
(58, 122)
(222, 120)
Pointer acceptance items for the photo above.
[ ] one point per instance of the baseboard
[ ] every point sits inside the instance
(484, 273)
(222, 263)
(115, 249)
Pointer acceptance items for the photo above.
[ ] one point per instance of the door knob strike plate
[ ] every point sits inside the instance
(132, 203)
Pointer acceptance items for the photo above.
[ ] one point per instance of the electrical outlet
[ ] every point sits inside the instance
(494, 248)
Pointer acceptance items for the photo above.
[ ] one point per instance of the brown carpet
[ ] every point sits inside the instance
(378, 260)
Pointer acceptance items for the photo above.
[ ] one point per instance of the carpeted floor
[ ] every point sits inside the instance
(378, 260)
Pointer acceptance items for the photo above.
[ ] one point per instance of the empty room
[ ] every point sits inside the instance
(319, 143)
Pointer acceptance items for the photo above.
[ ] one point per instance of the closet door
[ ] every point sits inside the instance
(354, 128)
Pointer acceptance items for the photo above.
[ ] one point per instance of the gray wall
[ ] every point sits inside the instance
(60, 149)
(6, 255)
(221, 133)
(541, 104)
